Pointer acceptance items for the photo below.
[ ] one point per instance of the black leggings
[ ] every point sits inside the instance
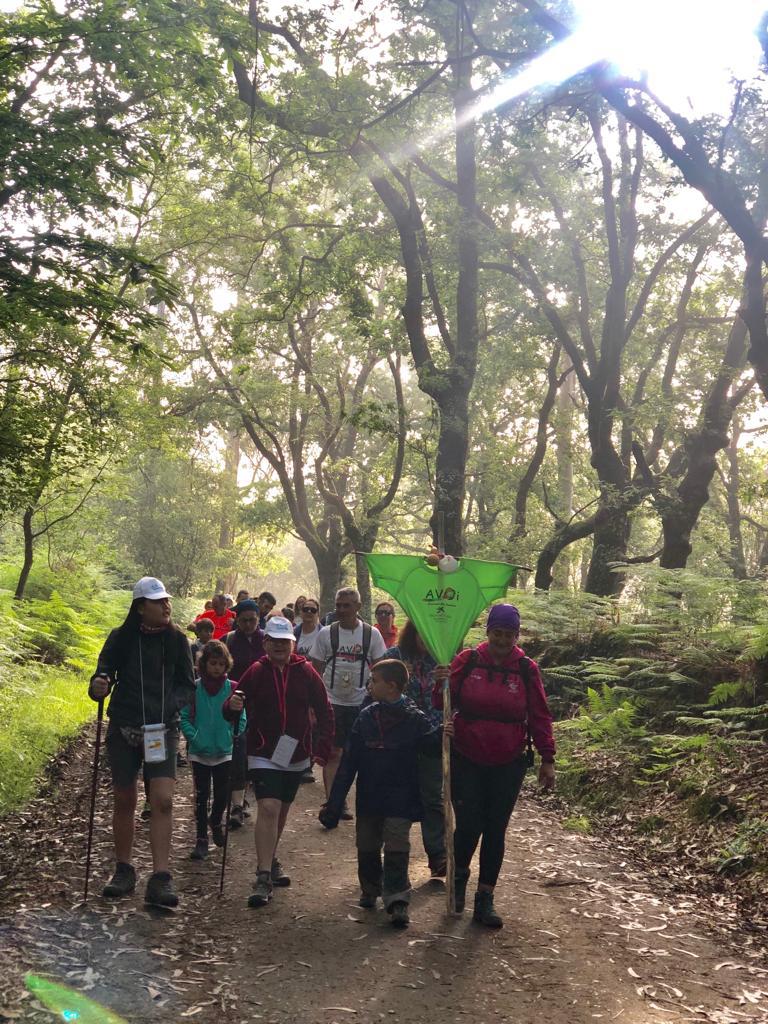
(203, 775)
(483, 798)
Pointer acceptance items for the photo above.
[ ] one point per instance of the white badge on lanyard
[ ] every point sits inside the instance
(284, 750)
(155, 749)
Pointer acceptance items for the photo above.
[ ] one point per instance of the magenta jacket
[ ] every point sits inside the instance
(280, 702)
(491, 707)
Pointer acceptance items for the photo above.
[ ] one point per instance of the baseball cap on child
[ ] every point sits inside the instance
(279, 628)
(150, 588)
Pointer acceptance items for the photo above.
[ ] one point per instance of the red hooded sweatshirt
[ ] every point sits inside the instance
(278, 702)
(491, 707)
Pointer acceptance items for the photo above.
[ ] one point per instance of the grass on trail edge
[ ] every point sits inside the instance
(37, 717)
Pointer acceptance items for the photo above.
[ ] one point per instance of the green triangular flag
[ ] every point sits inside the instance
(441, 605)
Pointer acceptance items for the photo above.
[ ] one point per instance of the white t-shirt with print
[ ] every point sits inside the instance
(345, 686)
(305, 641)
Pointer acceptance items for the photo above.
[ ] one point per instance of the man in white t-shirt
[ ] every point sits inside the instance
(343, 654)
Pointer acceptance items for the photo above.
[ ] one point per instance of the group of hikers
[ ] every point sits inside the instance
(261, 696)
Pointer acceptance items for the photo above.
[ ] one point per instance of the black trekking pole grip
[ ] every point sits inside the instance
(94, 786)
(235, 733)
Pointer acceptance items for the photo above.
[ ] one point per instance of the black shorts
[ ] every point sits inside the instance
(272, 784)
(344, 718)
(125, 761)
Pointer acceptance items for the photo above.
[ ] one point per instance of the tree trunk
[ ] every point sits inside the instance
(450, 468)
(565, 534)
(611, 537)
(738, 559)
(564, 448)
(29, 554)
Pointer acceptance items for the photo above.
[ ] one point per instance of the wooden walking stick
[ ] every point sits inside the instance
(94, 786)
(229, 804)
(450, 863)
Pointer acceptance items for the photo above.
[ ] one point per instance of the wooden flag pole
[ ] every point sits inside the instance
(450, 872)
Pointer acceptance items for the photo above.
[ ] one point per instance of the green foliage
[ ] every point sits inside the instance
(608, 718)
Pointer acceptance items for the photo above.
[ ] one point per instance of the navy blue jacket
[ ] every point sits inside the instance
(383, 753)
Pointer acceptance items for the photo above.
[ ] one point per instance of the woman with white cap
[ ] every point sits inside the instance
(500, 713)
(279, 691)
(146, 666)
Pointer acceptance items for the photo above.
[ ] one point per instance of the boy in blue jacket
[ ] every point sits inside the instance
(383, 753)
(209, 736)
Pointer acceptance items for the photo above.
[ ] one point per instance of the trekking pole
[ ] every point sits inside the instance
(94, 785)
(229, 806)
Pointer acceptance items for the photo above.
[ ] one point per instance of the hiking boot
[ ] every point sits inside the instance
(307, 776)
(399, 913)
(367, 902)
(200, 852)
(236, 818)
(460, 880)
(278, 876)
(122, 882)
(346, 814)
(438, 867)
(160, 891)
(181, 761)
(485, 912)
(262, 890)
(146, 812)
(218, 833)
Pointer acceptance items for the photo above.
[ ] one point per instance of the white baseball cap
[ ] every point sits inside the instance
(150, 588)
(279, 628)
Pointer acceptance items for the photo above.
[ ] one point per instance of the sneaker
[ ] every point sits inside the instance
(485, 912)
(367, 902)
(399, 913)
(460, 890)
(160, 891)
(218, 833)
(236, 818)
(438, 867)
(122, 882)
(262, 890)
(278, 876)
(307, 776)
(200, 851)
(346, 814)
(146, 811)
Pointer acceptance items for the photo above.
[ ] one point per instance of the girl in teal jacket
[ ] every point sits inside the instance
(209, 736)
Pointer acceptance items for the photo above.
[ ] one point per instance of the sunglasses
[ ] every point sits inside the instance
(384, 611)
(312, 611)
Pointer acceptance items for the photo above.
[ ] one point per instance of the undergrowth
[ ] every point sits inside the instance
(48, 648)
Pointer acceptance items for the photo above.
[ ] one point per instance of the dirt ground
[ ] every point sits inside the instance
(587, 936)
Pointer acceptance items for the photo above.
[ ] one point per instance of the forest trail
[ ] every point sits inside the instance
(587, 936)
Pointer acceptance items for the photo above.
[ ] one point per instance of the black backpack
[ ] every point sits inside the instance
(524, 666)
(367, 631)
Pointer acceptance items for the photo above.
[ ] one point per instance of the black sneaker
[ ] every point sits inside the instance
(200, 851)
(367, 902)
(346, 814)
(399, 913)
(218, 833)
(262, 890)
(485, 912)
(460, 880)
(438, 867)
(236, 818)
(160, 891)
(122, 882)
(278, 876)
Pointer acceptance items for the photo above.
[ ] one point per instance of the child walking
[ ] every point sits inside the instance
(383, 752)
(209, 736)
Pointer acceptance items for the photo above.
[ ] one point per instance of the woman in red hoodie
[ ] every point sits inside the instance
(500, 713)
(280, 690)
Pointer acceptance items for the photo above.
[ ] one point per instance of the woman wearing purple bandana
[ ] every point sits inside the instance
(500, 714)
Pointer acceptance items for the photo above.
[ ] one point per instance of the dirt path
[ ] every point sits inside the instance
(586, 938)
